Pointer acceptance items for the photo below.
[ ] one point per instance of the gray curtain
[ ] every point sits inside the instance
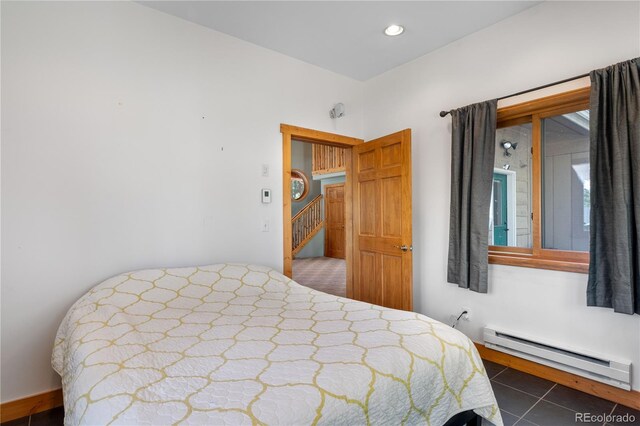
(473, 145)
(614, 270)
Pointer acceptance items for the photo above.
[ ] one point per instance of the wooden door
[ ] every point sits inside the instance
(334, 235)
(382, 242)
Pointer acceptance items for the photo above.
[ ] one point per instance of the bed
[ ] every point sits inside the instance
(243, 344)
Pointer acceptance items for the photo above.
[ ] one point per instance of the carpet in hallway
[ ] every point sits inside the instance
(321, 273)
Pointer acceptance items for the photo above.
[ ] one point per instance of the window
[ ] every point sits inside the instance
(541, 189)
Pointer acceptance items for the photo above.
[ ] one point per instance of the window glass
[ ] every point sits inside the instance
(541, 184)
(510, 218)
(566, 185)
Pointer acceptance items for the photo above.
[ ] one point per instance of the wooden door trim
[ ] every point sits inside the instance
(583, 384)
(329, 185)
(407, 214)
(30, 405)
(302, 134)
(319, 137)
(326, 222)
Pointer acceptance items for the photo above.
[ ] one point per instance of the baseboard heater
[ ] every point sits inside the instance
(612, 372)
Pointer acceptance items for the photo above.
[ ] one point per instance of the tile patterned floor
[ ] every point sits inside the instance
(526, 400)
(324, 274)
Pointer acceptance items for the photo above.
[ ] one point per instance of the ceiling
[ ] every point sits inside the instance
(346, 36)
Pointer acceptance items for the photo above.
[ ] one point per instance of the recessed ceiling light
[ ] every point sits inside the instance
(394, 30)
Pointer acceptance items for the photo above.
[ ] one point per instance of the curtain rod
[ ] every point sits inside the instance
(544, 86)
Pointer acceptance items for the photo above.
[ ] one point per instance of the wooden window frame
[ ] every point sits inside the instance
(533, 112)
(297, 173)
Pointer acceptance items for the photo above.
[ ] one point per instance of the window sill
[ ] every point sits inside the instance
(528, 261)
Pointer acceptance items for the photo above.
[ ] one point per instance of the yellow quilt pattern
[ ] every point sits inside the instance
(242, 344)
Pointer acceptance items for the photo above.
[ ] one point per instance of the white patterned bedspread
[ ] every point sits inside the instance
(242, 344)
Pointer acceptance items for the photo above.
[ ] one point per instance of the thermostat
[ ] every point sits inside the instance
(266, 195)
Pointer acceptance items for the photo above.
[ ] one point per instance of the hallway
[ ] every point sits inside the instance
(324, 274)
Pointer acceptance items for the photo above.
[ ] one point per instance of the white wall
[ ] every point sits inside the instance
(546, 43)
(114, 120)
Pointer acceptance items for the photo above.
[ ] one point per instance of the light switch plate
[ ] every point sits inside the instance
(266, 195)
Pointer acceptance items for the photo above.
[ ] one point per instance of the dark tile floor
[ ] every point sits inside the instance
(523, 399)
(527, 400)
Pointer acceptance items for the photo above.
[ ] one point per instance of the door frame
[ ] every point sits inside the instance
(344, 201)
(302, 134)
(511, 206)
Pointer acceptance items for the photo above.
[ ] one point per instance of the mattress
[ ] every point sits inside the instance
(242, 344)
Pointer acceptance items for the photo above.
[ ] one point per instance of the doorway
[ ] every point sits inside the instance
(500, 200)
(334, 236)
(319, 260)
(502, 214)
(318, 216)
(290, 133)
(377, 209)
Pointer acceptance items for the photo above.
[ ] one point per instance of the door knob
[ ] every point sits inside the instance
(404, 247)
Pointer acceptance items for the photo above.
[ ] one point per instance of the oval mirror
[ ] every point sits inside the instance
(299, 185)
